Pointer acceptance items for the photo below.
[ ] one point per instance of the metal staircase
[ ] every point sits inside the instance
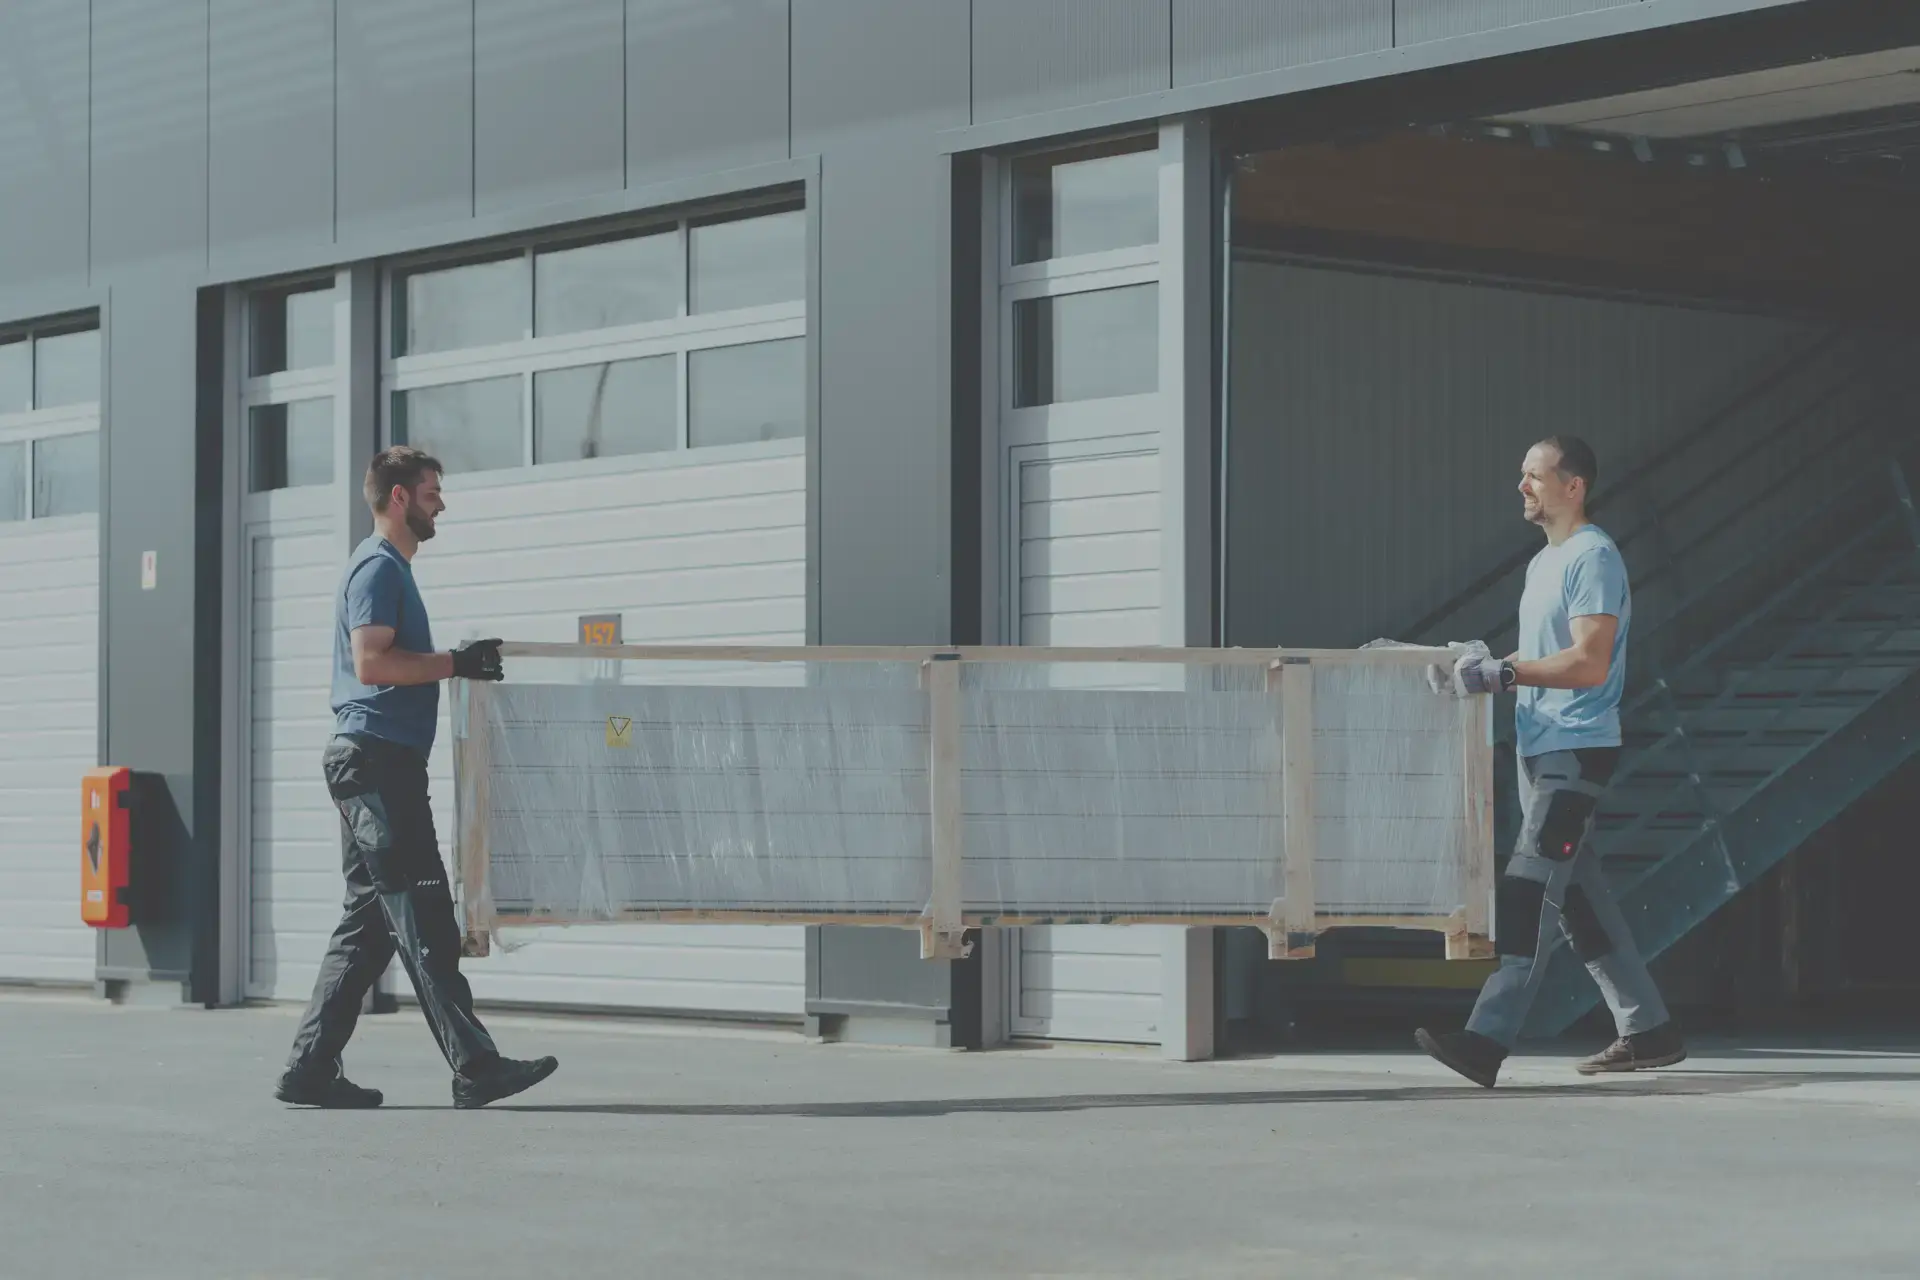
(1775, 559)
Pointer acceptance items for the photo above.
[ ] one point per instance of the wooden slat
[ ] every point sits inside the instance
(1476, 752)
(979, 919)
(1007, 653)
(1296, 738)
(473, 855)
(940, 938)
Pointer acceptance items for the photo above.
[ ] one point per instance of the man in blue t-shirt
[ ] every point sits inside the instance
(1569, 673)
(386, 704)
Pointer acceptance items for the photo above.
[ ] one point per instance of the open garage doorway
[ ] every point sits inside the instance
(1713, 282)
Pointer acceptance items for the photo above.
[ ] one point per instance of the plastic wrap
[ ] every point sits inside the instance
(1286, 790)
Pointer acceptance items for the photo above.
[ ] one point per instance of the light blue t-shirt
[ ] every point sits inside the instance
(1583, 576)
(377, 590)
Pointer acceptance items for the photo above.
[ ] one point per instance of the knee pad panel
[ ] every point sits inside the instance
(1582, 927)
(1563, 828)
(1516, 916)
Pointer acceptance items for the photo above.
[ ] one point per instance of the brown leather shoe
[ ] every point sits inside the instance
(1642, 1051)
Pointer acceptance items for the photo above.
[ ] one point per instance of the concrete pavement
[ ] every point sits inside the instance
(142, 1142)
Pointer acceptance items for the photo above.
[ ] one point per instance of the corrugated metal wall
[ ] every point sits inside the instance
(1378, 423)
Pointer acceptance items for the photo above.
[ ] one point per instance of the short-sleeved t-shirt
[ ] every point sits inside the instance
(377, 590)
(1582, 577)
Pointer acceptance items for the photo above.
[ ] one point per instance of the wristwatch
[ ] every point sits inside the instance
(1508, 676)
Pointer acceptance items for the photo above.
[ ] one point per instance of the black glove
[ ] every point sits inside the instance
(478, 660)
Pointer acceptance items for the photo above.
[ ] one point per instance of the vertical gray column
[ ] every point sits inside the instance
(871, 87)
(162, 440)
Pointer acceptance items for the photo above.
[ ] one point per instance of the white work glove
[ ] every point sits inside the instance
(1474, 670)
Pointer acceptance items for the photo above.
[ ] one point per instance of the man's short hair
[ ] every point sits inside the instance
(1576, 459)
(401, 465)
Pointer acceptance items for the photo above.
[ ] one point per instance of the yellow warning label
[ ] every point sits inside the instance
(620, 731)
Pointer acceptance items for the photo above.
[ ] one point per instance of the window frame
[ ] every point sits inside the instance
(34, 424)
(286, 387)
(678, 337)
(1014, 282)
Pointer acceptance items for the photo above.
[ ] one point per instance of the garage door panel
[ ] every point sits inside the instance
(1101, 476)
(545, 593)
(1121, 591)
(49, 736)
(611, 555)
(680, 624)
(487, 532)
(633, 494)
(274, 616)
(1084, 517)
(1048, 557)
(1088, 535)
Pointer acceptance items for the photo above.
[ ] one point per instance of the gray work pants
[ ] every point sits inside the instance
(1554, 884)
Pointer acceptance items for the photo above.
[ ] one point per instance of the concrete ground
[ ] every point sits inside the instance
(145, 1143)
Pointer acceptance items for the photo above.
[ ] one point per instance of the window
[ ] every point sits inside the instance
(288, 398)
(1079, 271)
(49, 421)
(747, 393)
(605, 285)
(477, 304)
(16, 375)
(290, 445)
(605, 410)
(682, 335)
(468, 426)
(1086, 346)
(13, 481)
(749, 262)
(292, 329)
(1087, 200)
(66, 475)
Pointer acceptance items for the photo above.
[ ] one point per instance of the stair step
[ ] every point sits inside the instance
(1837, 683)
(1780, 726)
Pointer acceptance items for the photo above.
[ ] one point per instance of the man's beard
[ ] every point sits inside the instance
(421, 524)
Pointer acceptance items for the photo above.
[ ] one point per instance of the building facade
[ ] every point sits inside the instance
(1082, 322)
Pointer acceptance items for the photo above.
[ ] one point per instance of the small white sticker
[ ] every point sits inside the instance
(149, 569)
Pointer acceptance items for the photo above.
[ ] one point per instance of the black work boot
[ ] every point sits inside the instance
(316, 1089)
(499, 1078)
(1471, 1054)
(1642, 1051)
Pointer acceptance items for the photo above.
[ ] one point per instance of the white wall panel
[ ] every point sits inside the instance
(49, 695)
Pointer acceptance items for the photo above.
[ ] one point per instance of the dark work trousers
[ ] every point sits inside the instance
(398, 899)
(1554, 885)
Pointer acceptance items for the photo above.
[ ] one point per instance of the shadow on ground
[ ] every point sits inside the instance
(1689, 1085)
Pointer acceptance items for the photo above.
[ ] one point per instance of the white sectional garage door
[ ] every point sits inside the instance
(697, 548)
(1087, 523)
(49, 671)
(290, 569)
(49, 641)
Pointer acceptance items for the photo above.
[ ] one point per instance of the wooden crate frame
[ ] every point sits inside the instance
(1292, 925)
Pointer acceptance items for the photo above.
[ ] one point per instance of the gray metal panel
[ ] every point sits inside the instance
(270, 113)
(706, 85)
(43, 141)
(547, 86)
(405, 80)
(1416, 21)
(149, 158)
(870, 85)
(1217, 39)
(1378, 424)
(1040, 55)
(150, 464)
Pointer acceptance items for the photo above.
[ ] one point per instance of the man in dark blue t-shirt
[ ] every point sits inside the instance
(386, 704)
